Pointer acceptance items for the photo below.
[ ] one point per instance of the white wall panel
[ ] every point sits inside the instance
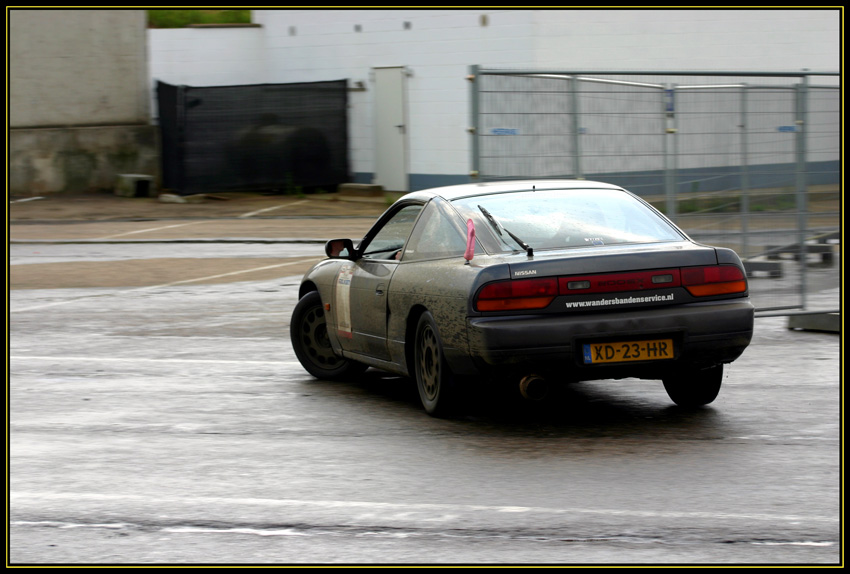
(438, 46)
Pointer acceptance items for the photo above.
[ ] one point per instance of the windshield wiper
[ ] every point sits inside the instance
(498, 227)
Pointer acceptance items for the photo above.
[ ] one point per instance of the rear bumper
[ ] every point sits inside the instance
(704, 333)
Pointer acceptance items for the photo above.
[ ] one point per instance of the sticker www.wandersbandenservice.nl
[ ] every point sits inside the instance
(619, 301)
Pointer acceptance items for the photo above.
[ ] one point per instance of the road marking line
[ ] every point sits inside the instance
(151, 229)
(231, 273)
(25, 199)
(416, 507)
(244, 215)
(253, 213)
(173, 283)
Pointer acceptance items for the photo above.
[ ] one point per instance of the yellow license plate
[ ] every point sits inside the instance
(653, 350)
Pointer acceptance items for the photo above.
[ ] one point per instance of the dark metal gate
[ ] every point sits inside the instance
(283, 137)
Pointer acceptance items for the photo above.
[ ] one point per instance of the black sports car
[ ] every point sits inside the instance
(539, 281)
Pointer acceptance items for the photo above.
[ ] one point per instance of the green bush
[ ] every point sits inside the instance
(183, 18)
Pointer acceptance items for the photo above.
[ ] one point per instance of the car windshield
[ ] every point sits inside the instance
(554, 219)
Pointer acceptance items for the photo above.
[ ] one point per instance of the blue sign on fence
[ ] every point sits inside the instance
(786, 129)
(504, 131)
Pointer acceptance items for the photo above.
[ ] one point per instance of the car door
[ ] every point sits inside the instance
(370, 277)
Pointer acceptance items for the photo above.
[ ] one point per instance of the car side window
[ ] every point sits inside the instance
(389, 240)
(435, 236)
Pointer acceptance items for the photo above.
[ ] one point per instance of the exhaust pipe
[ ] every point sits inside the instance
(533, 387)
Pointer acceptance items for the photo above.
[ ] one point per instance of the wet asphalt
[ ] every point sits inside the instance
(157, 415)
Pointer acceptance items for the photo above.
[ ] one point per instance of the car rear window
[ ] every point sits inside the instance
(554, 219)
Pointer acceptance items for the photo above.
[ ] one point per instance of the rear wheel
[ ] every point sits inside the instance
(694, 388)
(436, 383)
(308, 332)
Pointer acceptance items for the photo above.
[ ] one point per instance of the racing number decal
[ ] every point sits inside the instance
(342, 297)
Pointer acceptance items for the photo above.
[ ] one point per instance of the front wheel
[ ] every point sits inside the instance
(694, 388)
(435, 381)
(308, 332)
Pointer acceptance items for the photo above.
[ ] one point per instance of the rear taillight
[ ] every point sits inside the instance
(520, 294)
(530, 294)
(714, 280)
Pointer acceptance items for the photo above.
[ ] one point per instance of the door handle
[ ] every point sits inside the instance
(379, 290)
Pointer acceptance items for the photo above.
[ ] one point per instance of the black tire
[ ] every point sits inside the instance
(696, 387)
(308, 332)
(434, 379)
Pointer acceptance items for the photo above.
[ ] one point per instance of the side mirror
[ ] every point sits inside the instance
(340, 249)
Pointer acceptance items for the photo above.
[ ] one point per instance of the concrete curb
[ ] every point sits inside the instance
(189, 240)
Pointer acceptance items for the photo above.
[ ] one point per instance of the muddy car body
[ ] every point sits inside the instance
(537, 281)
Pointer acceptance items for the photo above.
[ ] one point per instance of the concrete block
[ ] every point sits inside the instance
(828, 322)
(773, 269)
(824, 250)
(174, 198)
(134, 185)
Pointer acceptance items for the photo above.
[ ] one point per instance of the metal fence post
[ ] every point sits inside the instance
(802, 207)
(669, 103)
(745, 177)
(576, 117)
(475, 148)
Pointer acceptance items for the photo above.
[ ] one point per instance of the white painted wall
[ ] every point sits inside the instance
(438, 46)
(207, 56)
(739, 40)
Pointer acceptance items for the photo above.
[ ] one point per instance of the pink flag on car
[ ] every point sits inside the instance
(470, 240)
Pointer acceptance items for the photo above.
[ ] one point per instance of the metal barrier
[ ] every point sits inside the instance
(748, 160)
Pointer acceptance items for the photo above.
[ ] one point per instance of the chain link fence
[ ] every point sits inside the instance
(749, 161)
